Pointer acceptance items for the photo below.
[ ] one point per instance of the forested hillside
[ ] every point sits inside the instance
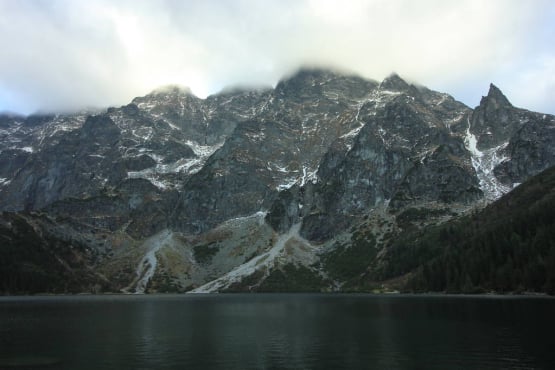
(507, 247)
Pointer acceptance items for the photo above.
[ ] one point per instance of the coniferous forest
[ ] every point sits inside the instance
(507, 247)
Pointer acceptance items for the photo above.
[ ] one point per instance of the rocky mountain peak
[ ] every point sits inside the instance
(394, 82)
(495, 119)
(313, 83)
(304, 80)
(311, 74)
(172, 90)
(233, 90)
(169, 95)
(495, 98)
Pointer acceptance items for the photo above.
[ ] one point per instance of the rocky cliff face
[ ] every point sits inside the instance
(507, 144)
(174, 191)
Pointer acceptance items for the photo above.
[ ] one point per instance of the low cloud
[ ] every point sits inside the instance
(66, 55)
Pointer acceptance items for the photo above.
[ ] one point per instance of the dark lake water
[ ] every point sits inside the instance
(281, 331)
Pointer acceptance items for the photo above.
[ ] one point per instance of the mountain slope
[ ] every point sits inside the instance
(32, 261)
(508, 246)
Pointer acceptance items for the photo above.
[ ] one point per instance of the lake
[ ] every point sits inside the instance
(277, 331)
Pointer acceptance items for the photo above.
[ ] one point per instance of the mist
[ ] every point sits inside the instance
(68, 55)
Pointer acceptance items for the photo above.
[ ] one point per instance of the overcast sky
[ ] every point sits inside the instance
(71, 54)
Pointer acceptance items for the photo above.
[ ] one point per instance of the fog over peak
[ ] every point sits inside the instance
(65, 55)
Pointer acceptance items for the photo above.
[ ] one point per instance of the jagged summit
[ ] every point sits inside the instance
(394, 82)
(495, 97)
(308, 73)
(495, 119)
(310, 82)
(304, 78)
(172, 89)
(241, 89)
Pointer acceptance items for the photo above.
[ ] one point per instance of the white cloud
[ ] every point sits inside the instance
(66, 54)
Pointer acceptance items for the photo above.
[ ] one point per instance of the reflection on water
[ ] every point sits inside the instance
(276, 332)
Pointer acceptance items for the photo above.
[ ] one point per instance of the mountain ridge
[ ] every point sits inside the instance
(166, 177)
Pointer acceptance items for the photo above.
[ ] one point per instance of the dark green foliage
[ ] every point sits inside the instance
(291, 278)
(408, 251)
(162, 283)
(346, 263)
(287, 278)
(418, 214)
(508, 247)
(32, 261)
(247, 284)
(204, 253)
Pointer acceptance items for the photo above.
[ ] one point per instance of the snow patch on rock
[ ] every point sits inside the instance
(147, 266)
(484, 162)
(187, 166)
(203, 151)
(264, 261)
(308, 175)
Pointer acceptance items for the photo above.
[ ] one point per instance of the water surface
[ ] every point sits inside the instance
(279, 331)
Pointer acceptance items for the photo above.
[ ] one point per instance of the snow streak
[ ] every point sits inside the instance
(484, 163)
(264, 260)
(147, 266)
(188, 166)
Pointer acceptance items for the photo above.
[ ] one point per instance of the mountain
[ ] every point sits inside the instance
(304, 186)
